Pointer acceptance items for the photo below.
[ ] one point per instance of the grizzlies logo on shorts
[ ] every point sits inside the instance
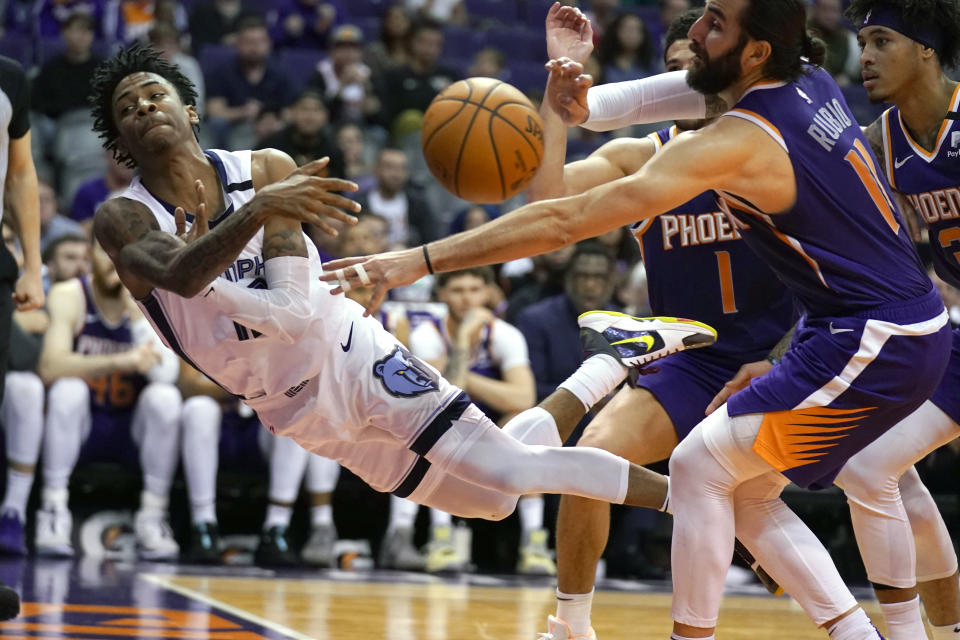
(404, 375)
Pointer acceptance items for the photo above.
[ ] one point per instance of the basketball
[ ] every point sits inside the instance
(482, 139)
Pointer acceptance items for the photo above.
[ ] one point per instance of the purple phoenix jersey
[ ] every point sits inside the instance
(874, 341)
(930, 180)
(112, 392)
(699, 267)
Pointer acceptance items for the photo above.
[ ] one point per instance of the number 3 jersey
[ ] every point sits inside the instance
(931, 182)
(699, 267)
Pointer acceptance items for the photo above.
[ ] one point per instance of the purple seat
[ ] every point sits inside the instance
(518, 43)
(214, 56)
(529, 77)
(299, 63)
(17, 46)
(460, 42)
(358, 9)
(499, 11)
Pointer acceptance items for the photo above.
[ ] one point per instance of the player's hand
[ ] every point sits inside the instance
(28, 291)
(566, 92)
(306, 196)
(141, 358)
(569, 33)
(746, 373)
(200, 223)
(471, 327)
(382, 271)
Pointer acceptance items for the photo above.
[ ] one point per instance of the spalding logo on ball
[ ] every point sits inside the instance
(482, 139)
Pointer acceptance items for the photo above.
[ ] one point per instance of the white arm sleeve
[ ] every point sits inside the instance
(282, 310)
(665, 96)
(168, 369)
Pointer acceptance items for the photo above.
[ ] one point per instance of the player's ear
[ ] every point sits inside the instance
(756, 54)
(192, 114)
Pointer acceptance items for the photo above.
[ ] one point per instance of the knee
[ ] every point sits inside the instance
(921, 508)
(25, 387)
(163, 401)
(201, 415)
(68, 397)
(686, 459)
(493, 506)
(865, 486)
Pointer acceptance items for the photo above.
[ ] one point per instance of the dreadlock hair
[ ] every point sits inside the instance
(782, 23)
(679, 29)
(136, 58)
(945, 13)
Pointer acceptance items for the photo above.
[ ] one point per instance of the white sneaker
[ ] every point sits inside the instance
(54, 529)
(535, 557)
(557, 629)
(640, 341)
(442, 553)
(154, 537)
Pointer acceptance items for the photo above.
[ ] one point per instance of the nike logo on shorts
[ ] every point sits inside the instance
(346, 347)
(836, 331)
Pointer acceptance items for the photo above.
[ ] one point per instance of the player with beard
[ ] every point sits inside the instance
(236, 296)
(795, 174)
(742, 299)
(112, 397)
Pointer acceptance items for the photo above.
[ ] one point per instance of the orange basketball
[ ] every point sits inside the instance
(482, 139)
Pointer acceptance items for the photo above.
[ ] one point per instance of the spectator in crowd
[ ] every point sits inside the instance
(63, 82)
(394, 197)
(843, 52)
(239, 91)
(487, 358)
(51, 16)
(130, 20)
(602, 14)
(111, 394)
(94, 191)
(441, 11)
(306, 23)
(669, 11)
(165, 38)
(52, 224)
(546, 279)
(344, 80)
(550, 325)
(411, 87)
(307, 135)
(489, 62)
(18, 17)
(369, 236)
(65, 258)
(390, 49)
(351, 140)
(472, 217)
(216, 21)
(626, 51)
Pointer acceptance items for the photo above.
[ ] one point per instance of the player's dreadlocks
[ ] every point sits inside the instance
(944, 14)
(108, 74)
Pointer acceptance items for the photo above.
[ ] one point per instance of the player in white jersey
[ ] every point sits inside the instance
(311, 364)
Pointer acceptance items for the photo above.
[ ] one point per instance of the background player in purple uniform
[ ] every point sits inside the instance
(698, 267)
(98, 353)
(783, 164)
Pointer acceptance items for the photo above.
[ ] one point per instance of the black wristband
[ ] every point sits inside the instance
(426, 258)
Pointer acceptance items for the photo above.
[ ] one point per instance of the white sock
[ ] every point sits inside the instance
(277, 515)
(18, 491)
(440, 518)
(856, 626)
(152, 502)
(403, 513)
(949, 632)
(574, 609)
(665, 507)
(676, 636)
(321, 514)
(904, 621)
(55, 498)
(597, 376)
(203, 512)
(534, 426)
(531, 513)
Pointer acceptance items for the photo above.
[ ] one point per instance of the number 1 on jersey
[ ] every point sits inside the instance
(726, 281)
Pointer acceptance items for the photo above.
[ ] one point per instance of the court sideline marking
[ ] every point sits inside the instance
(164, 583)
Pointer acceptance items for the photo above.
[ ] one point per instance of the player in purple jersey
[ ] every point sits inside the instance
(738, 295)
(794, 171)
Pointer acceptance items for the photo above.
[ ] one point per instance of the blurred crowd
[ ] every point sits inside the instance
(349, 80)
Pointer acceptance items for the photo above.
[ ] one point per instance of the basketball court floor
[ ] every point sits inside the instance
(91, 599)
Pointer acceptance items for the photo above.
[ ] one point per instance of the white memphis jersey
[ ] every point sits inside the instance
(241, 360)
(346, 389)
